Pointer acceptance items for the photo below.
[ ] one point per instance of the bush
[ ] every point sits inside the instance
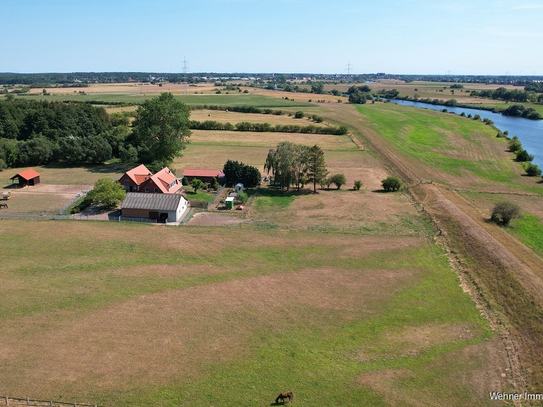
(515, 144)
(532, 170)
(299, 115)
(504, 212)
(196, 184)
(242, 197)
(357, 185)
(523, 156)
(338, 180)
(391, 184)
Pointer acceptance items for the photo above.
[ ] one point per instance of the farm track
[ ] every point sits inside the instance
(468, 233)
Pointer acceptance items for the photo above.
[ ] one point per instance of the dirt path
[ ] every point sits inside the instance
(491, 246)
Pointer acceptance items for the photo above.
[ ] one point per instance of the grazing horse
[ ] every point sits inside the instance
(283, 396)
(2, 205)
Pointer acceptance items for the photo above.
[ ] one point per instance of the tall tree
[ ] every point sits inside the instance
(316, 166)
(161, 129)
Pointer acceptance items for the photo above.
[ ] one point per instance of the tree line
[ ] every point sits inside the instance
(42, 132)
(266, 127)
(514, 95)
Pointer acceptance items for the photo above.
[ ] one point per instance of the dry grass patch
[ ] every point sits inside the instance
(236, 117)
(270, 139)
(158, 339)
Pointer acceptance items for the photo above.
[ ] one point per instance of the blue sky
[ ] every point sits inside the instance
(493, 37)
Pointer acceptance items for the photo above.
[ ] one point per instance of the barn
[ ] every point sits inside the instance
(163, 208)
(26, 178)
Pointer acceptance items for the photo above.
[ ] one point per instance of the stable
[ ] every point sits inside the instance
(27, 178)
(164, 208)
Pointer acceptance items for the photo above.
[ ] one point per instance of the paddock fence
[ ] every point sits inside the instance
(14, 401)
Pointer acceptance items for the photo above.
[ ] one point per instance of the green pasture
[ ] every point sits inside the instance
(529, 229)
(322, 359)
(425, 136)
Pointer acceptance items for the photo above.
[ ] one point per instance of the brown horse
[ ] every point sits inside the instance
(283, 396)
(2, 205)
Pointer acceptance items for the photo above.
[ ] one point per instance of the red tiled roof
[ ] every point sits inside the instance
(202, 173)
(138, 174)
(27, 174)
(166, 181)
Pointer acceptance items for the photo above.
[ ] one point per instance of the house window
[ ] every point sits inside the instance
(126, 182)
(146, 189)
(156, 189)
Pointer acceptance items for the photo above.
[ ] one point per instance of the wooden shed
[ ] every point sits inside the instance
(27, 178)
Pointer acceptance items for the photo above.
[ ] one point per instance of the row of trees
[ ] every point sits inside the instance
(267, 127)
(515, 95)
(515, 146)
(296, 164)
(42, 132)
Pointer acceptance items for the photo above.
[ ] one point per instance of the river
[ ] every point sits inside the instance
(529, 132)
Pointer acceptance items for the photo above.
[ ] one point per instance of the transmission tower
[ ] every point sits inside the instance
(349, 68)
(185, 81)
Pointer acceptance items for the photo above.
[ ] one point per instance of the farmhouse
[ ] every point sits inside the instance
(131, 180)
(204, 175)
(164, 182)
(164, 208)
(140, 179)
(27, 178)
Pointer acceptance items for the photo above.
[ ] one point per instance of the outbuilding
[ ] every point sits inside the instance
(27, 178)
(163, 208)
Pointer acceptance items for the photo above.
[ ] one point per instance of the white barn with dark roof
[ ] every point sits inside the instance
(164, 208)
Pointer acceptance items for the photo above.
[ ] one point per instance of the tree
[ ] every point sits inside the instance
(107, 193)
(338, 180)
(299, 114)
(316, 166)
(196, 184)
(391, 184)
(235, 172)
(357, 185)
(504, 212)
(161, 129)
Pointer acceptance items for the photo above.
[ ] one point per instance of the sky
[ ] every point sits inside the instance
(457, 37)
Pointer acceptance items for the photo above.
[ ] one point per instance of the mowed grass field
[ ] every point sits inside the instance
(220, 316)
(342, 297)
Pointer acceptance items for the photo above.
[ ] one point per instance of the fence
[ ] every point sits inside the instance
(130, 219)
(64, 209)
(215, 197)
(13, 401)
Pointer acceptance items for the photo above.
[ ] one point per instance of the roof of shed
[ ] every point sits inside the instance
(157, 202)
(191, 172)
(27, 174)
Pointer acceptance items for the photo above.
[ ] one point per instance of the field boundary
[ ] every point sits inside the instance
(7, 401)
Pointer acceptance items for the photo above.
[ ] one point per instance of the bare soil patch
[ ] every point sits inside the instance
(214, 219)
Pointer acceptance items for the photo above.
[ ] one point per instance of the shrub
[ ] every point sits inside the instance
(196, 184)
(391, 184)
(504, 212)
(532, 170)
(338, 180)
(523, 156)
(299, 115)
(515, 144)
(242, 197)
(357, 185)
